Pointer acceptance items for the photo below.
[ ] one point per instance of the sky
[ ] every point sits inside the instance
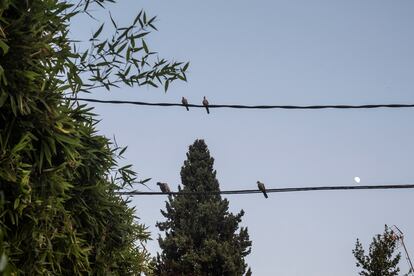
(280, 52)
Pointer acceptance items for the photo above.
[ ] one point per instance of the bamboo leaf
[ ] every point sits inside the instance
(96, 34)
(4, 47)
(3, 97)
(144, 45)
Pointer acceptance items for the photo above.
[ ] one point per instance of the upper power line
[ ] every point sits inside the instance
(238, 106)
(279, 190)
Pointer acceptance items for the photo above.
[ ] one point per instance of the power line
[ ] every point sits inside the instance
(279, 190)
(237, 106)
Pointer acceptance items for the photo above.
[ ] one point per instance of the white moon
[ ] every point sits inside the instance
(357, 179)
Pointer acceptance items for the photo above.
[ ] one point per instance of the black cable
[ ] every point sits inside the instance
(279, 190)
(237, 106)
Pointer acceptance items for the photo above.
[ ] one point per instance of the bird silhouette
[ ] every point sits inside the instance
(164, 187)
(205, 103)
(262, 188)
(185, 103)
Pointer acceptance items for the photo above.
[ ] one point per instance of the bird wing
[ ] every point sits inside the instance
(167, 189)
(261, 186)
(162, 187)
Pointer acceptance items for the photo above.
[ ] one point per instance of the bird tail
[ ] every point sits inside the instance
(265, 194)
(187, 108)
(208, 111)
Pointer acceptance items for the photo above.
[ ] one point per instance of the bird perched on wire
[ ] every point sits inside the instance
(185, 103)
(205, 103)
(164, 187)
(262, 188)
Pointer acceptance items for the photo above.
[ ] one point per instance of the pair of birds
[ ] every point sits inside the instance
(184, 101)
(166, 189)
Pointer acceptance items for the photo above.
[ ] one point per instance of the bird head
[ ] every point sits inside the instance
(159, 183)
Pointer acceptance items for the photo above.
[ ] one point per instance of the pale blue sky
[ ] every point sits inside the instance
(281, 52)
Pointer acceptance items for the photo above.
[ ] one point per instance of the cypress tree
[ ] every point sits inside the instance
(201, 235)
(382, 259)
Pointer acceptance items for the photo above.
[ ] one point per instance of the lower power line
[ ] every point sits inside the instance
(278, 190)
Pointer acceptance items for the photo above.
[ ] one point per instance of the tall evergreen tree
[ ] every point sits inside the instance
(382, 259)
(201, 236)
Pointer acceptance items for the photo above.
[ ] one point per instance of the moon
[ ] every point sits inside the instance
(357, 179)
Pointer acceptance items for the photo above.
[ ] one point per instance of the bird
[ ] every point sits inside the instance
(164, 187)
(205, 103)
(185, 103)
(262, 188)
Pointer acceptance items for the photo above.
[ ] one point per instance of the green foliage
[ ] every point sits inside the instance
(381, 259)
(124, 58)
(201, 235)
(59, 211)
